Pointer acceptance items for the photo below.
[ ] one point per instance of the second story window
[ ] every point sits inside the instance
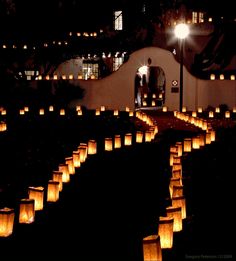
(118, 20)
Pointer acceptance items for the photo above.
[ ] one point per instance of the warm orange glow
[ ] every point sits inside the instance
(27, 213)
(65, 172)
(212, 77)
(187, 145)
(199, 110)
(152, 248)
(76, 159)
(117, 143)
(97, 112)
(139, 136)
(62, 112)
(57, 176)
(116, 112)
(211, 114)
(196, 142)
(148, 136)
(128, 139)
(164, 109)
(37, 193)
(165, 231)
(92, 147)
(3, 126)
(180, 202)
(227, 114)
(108, 144)
(175, 213)
(6, 221)
(41, 111)
(83, 150)
(103, 108)
(51, 108)
(70, 163)
(53, 191)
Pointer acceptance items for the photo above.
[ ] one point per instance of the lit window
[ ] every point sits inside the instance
(90, 71)
(118, 20)
(201, 17)
(194, 17)
(117, 62)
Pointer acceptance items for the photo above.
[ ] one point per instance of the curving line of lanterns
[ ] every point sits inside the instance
(176, 213)
(35, 201)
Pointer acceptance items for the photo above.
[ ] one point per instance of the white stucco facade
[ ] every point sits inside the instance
(116, 91)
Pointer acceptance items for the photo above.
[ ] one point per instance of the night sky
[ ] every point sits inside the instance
(37, 16)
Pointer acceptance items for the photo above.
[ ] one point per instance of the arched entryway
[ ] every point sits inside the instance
(149, 87)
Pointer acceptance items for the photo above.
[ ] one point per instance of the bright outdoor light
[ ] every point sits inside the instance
(181, 31)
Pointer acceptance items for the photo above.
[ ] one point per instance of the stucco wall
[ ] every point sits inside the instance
(116, 91)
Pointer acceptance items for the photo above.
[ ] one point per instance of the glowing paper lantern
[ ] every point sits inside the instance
(187, 145)
(152, 248)
(116, 113)
(172, 155)
(70, 163)
(57, 176)
(108, 144)
(79, 112)
(199, 109)
(174, 182)
(139, 136)
(41, 111)
(62, 112)
(65, 172)
(51, 108)
(202, 139)
(117, 143)
(217, 109)
(97, 112)
(196, 142)
(178, 191)
(211, 114)
(128, 139)
(165, 231)
(153, 103)
(176, 174)
(144, 103)
(27, 212)
(164, 109)
(92, 147)
(103, 108)
(180, 202)
(175, 213)
(208, 138)
(37, 193)
(53, 191)
(83, 150)
(3, 126)
(184, 109)
(227, 114)
(127, 109)
(76, 159)
(148, 136)
(212, 77)
(26, 109)
(131, 113)
(194, 114)
(6, 221)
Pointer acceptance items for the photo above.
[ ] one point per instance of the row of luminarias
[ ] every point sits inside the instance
(35, 200)
(200, 110)
(176, 213)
